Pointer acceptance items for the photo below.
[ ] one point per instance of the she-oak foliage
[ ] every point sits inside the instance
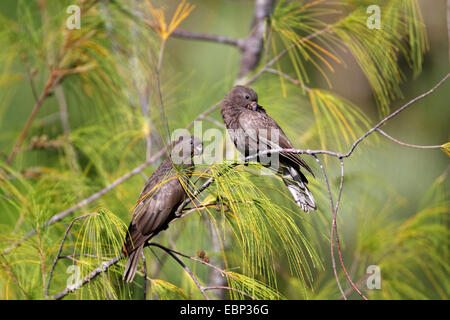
(265, 246)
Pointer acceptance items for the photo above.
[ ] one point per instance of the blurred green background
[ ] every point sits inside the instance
(395, 202)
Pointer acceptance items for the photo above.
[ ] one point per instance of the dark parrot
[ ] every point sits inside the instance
(249, 125)
(162, 194)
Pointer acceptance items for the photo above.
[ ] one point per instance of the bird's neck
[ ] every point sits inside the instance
(231, 115)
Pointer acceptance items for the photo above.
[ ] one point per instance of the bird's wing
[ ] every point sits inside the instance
(161, 195)
(153, 210)
(257, 120)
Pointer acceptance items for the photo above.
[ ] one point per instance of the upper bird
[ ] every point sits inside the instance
(162, 194)
(250, 126)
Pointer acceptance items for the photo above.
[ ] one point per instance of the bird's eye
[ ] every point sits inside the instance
(247, 96)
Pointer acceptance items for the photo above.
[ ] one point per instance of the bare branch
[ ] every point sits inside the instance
(179, 33)
(181, 263)
(334, 226)
(100, 269)
(334, 209)
(330, 197)
(382, 122)
(192, 35)
(365, 135)
(407, 144)
(289, 78)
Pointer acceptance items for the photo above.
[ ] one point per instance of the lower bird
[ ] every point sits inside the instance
(251, 126)
(163, 192)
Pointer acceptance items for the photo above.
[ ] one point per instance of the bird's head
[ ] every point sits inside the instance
(242, 97)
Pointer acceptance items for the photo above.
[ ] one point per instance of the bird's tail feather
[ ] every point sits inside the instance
(132, 264)
(297, 186)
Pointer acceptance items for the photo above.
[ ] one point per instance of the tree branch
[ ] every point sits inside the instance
(52, 81)
(183, 265)
(333, 224)
(100, 269)
(61, 215)
(184, 34)
(341, 156)
(407, 144)
(364, 136)
(58, 254)
(253, 45)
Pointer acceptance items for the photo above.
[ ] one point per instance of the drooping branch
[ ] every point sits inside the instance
(335, 232)
(333, 224)
(407, 144)
(183, 265)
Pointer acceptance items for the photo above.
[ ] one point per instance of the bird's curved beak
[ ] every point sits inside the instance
(252, 105)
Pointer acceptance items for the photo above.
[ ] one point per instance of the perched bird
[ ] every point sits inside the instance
(162, 194)
(246, 122)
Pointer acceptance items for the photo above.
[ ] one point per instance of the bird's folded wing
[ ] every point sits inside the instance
(251, 122)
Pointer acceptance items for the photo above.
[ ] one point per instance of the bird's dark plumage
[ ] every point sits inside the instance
(247, 120)
(157, 203)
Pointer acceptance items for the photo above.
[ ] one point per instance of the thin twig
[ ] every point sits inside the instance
(183, 265)
(330, 197)
(52, 80)
(382, 122)
(334, 226)
(205, 185)
(407, 144)
(184, 34)
(289, 78)
(358, 283)
(93, 274)
(58, 254)
(179, 33)
(61, 215)
(355, 144)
